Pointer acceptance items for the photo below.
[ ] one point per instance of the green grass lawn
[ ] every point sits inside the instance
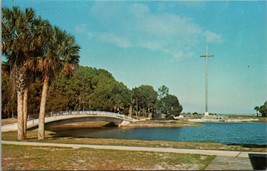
(15, 157)
(32, 136)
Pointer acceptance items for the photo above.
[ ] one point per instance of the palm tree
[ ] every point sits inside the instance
(257, 108)
(15, 42)
(61, 54)
(20, 38)
(41, 28)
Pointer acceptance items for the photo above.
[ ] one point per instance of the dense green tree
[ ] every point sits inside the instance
(9, 100)
(257, 108)
(167, 103)
(108, 94)
(8, 96)
(96, 89)
(170, 105)
(145, 99)
(263, 109)
(89, 89)
(163, 91)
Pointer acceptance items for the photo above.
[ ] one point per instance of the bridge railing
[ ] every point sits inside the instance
(91, 113)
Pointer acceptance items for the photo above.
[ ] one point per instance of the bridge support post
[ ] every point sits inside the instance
(124, 123)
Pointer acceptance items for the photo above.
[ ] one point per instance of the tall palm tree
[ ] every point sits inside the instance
(20, 38)
(257, 108)
(41, 29)
(14, 40)
(61, 54)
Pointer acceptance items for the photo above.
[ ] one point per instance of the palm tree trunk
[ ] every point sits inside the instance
(20, 135)
(25, 111)
(131, 110)
(41, 132)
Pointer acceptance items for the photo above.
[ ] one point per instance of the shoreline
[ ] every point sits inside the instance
(151, 123)
(187, 122)
(223, 120)
(51, 137)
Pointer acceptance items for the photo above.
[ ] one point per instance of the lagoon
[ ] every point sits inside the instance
(226, 133)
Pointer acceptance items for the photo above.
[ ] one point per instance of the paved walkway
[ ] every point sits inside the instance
(131, 148)
(230, 163)
(225, 160)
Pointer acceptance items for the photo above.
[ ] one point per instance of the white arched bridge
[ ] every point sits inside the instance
(75, 116)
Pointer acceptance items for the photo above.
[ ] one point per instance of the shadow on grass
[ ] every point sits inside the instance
(258, 161)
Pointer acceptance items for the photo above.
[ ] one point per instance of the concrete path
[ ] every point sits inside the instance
(230, 163)
(150, 149)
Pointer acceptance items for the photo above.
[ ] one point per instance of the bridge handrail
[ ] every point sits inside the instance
(89, 112)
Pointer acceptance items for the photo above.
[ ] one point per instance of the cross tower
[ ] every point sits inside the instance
(206, 81)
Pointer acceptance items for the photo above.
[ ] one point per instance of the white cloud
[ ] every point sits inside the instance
(182, 54)
(112, 38)
(128, 25)
(212, 37)
(81, 28)
(152, 45)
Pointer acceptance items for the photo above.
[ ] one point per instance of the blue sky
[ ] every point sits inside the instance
(159, 43)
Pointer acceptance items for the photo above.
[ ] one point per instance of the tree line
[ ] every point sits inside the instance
(42, 74)
(262, 109)
(95, 89)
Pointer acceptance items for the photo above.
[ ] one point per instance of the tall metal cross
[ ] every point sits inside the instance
(206, 82)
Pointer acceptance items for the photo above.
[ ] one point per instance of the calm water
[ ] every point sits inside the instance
(228, 133)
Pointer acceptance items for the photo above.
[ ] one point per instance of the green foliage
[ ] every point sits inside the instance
(257, 108)
(170, 105)
(34, 97)
(163, 91)
(145, 99)
(89, 89)
(92, 89)
(263, 109)
(167, 104)
(8, 97)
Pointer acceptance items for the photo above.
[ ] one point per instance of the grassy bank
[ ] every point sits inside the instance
(53, 158)
(50, 137)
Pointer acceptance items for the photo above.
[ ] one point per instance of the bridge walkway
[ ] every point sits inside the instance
(63, 115)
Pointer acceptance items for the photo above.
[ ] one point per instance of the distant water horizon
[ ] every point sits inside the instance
(223, 114)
